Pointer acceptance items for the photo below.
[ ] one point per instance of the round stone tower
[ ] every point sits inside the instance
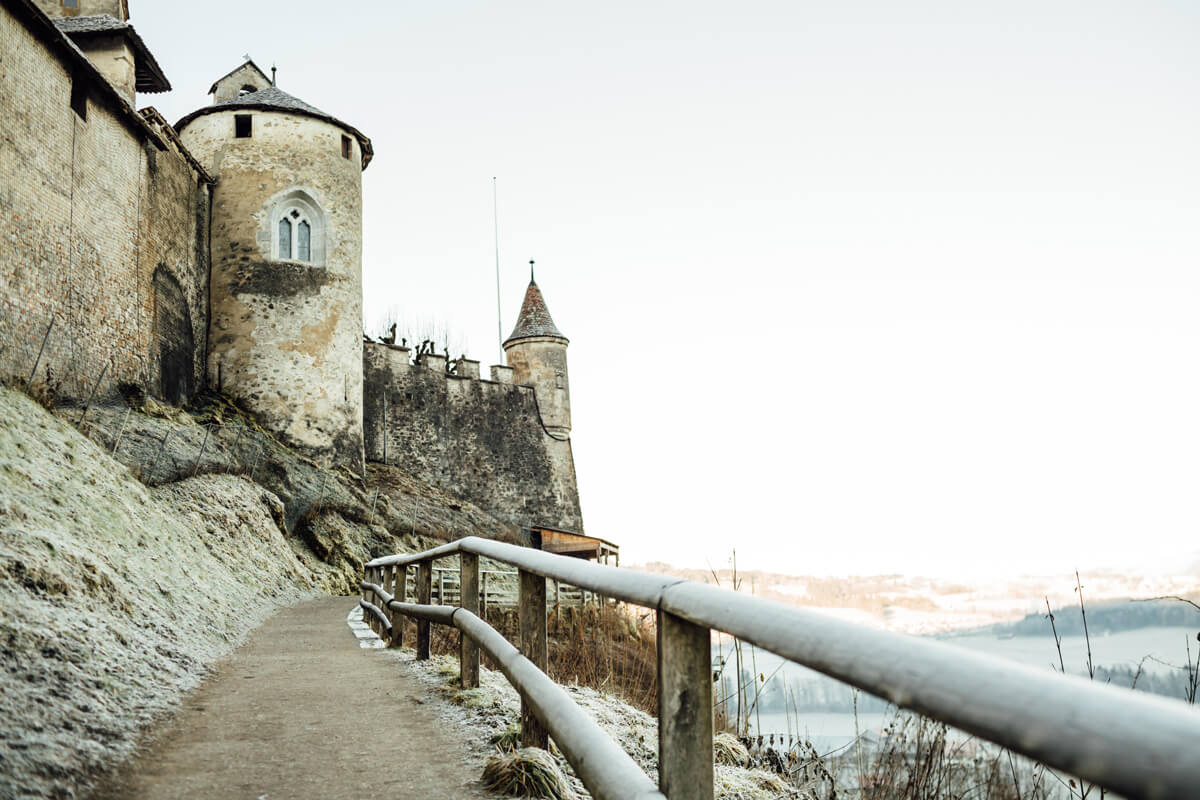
(537, 352)
(285, 335)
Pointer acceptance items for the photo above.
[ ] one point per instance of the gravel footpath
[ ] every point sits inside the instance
(115, 597)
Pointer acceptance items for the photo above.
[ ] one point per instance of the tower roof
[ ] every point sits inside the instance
(273, 98)
(148, 74)
(534, 319)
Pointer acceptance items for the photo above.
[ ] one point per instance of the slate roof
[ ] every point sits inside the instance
(534, 319)
(90, 24)
(72, 58)
(275, 99)
(149, 76)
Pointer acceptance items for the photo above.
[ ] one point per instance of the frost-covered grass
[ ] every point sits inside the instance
(114, 597)
(527, 772)
(489, 715)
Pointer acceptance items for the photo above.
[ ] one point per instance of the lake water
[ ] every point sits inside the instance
(832, 729)
(827, 730)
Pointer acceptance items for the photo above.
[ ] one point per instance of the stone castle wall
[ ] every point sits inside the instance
(286, 336)
(107, 223)
(481, 440)
(114, 8)
(103, 228)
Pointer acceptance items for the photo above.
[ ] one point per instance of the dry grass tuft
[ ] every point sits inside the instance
(508, 739)
(728, 750)
(528, 772)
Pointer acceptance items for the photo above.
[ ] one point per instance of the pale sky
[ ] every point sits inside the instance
(853, 287)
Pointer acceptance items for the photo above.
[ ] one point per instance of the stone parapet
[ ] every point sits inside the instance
(482, 440)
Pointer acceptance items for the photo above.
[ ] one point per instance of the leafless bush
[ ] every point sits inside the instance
(391, 327)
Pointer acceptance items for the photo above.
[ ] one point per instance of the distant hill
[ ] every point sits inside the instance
(1108, 616)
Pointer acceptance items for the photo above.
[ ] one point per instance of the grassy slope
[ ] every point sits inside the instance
(115, 596)
(122, 579)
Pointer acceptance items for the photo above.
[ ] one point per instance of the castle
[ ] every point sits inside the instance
(225, 251)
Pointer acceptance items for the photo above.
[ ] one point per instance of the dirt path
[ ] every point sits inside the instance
(301, 711)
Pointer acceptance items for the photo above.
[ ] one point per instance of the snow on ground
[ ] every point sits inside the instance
(485, 713)
(114, 597)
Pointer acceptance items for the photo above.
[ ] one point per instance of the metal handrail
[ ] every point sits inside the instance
(607, 770)
(1134, 744)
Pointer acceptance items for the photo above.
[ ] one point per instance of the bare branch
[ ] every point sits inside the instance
(1191, 603)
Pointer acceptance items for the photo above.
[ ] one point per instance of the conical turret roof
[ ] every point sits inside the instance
(534, 319)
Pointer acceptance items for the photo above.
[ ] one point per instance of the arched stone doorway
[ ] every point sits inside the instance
(176, 345)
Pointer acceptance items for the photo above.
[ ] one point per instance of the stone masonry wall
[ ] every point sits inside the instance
(541, 362)
(286, 336)
(89, 211)
(478, 439)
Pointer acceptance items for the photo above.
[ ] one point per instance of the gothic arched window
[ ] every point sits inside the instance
(285, 238)
(297, 228)
(304, 241)
(295, 236)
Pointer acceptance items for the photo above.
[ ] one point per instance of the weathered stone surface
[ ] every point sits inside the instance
(481, 440)
(541, 362)
(344, 519)
(286, 334)
(106, 242)
(90, 211)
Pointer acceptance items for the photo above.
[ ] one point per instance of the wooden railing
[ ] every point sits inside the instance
(1134, 744)
(498, 589)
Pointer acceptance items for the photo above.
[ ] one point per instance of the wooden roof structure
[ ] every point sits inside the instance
(567, 543)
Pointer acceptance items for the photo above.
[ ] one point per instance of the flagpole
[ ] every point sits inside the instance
(496, 232)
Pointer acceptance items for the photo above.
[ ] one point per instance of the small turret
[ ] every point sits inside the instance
(537, 352)
(245, 79)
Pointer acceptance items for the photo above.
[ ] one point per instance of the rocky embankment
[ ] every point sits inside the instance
(133, 557)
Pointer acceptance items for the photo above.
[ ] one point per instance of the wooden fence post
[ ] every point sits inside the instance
(369, 596)
(378, 581)
(400, 590)
(483, 585)
(424, 590)
(389, 586)
(468, 598)
(366, 596)
(557, 608)
(685, 755)
(532, 624)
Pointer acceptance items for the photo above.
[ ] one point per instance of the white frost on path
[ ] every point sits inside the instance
(367, 638)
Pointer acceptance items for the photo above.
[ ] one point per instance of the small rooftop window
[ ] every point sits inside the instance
(70, 4)
(242, 126)
(247, 89)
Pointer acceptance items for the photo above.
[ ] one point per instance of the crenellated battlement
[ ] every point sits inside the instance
(483, 439)
(399, 359)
